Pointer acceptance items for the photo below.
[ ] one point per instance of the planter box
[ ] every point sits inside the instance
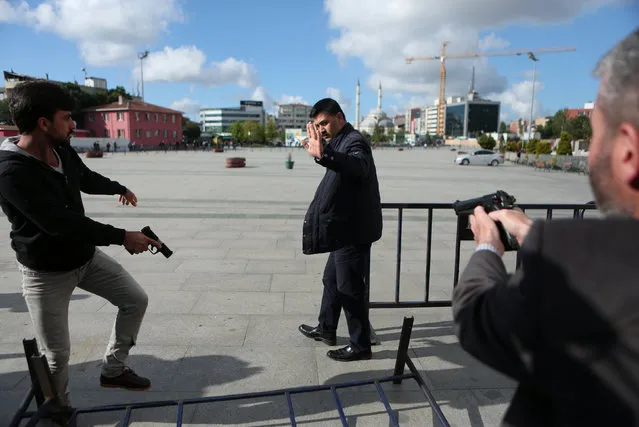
(235, 162)
(93, 154)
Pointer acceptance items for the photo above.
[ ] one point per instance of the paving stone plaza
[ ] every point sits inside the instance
(224, 309)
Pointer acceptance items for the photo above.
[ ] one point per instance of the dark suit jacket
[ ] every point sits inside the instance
(565, 325)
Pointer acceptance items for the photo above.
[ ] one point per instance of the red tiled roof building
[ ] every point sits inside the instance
(141, 123)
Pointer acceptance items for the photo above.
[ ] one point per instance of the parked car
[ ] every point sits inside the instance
(480, 157)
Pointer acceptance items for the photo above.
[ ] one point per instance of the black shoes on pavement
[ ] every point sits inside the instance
(315, 333)
(344, 354)
(127, 380)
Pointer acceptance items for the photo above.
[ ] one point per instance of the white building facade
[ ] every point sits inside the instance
(218, 120)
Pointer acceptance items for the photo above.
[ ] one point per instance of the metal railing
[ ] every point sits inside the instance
(462, 234)
(48, 404)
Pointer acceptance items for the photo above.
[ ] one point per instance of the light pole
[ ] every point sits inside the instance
(141, 56)
(534, 59)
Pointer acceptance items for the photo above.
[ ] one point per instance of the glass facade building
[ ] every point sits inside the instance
(470, 118)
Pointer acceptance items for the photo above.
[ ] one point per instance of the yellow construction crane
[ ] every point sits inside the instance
(442, 72)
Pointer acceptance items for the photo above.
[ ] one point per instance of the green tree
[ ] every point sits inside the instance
(260, 135)
(531, 146)
(191, 130)
(270, 130)
(512, 146)
(545, 132)
(238, 132)
(564, 147)
(558, 123)
(5, 115)
(580, 128)
(390, 134)
(542, 147)
(486, 142)
(378, 134)
(503, 128)
(400, 136)
(250, 131)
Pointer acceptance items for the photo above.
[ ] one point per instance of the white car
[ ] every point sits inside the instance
(480, 157)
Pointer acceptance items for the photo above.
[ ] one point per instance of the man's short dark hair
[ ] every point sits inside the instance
(37, 98)
(326, 105)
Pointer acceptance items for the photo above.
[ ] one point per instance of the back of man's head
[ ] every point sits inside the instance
(618, 96)
(613, 154)
(31, 100)
(326, 105)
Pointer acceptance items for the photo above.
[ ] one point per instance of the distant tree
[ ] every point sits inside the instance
(5, 115)
(558, 123)
(580, 128)
(251, 132)
(270, 130)
(238, 132)
(531, 146)
(378, 134)
(486, 142)
(564, 147)
(191, 130)
(503, 128)
(543, 147)
(390, 134)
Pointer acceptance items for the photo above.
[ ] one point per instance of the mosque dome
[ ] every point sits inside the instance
(376, 117)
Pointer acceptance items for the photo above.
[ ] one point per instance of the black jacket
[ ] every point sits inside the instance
(346, 209)
(49, 230)
(564, 325)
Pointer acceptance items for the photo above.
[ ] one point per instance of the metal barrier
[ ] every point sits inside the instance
(48, 404)
(43, 391)
(463, 233)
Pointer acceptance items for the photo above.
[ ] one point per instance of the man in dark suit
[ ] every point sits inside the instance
(344, 218)
(565, 324)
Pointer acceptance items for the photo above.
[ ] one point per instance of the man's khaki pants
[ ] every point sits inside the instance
(48, 295)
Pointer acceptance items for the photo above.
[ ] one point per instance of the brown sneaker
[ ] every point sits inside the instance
(128, 380)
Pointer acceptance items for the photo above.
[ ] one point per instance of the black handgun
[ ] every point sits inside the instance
(490, 202)
(151, 235)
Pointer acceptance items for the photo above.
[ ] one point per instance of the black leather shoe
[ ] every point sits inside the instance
(314, 332)
(349, 354)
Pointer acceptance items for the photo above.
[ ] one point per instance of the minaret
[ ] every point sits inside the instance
(471, 93)
(379, 96)
(357, 106)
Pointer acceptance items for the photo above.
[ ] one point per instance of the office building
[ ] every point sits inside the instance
(218, 120)
(293, 116)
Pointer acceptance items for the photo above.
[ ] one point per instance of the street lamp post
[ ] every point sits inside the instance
(141, 56)
(532, 102)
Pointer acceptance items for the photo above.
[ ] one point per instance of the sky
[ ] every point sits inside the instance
(211, 53)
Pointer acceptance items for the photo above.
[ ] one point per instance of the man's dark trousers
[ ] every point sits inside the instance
(344, 280)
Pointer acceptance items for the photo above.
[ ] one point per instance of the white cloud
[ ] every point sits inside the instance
(292, 99)
(519, 97)
(493, 42)
(187, 106)
(107, 32)
(188, 64)
(271, 104)
(383, 33)
(261, 94)
(338, 96)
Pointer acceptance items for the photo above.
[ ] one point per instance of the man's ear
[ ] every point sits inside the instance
(628, 156)
(43, 124)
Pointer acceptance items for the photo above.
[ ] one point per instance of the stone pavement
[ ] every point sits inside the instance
(224, 310)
